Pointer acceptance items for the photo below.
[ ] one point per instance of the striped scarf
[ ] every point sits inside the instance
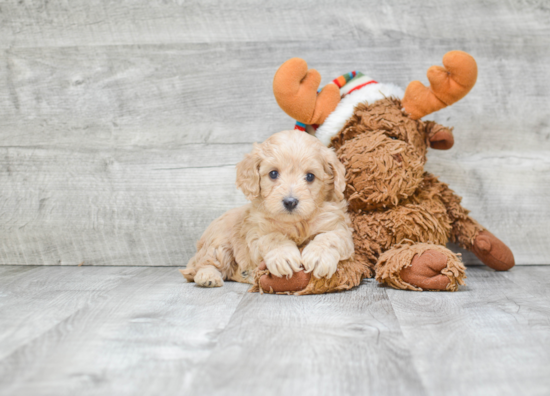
(341, 83)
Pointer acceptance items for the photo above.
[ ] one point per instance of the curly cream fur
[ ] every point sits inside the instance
(264, 230)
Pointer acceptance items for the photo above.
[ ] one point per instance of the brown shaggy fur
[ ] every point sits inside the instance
(391, 197)
(402, 216)
(397, 210)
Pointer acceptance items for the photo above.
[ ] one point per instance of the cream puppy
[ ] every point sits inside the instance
(296, 217)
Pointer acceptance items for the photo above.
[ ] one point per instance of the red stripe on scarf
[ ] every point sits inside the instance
(362, 85)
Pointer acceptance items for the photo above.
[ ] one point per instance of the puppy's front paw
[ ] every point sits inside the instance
(208, 277)
(284, 260)
(321, 260)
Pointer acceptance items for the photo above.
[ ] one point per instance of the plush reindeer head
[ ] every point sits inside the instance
(379, 138)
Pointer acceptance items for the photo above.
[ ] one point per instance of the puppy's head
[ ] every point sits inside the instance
(290, 175)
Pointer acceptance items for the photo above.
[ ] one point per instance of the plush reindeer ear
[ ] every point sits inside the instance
(295, 89)
(248, 173)
(439, 137)
(448, 85)
(337, 170)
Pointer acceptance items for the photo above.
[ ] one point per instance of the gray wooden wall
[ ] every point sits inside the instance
(121, 121)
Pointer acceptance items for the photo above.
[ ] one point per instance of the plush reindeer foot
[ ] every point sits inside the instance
(425, 271)
(493, 252)
(298, 281)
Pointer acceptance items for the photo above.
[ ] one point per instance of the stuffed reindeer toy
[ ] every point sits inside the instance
(402, 216)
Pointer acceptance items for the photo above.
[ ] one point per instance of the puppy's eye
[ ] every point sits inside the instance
(273, 175)
(393, 137)
(310, 177)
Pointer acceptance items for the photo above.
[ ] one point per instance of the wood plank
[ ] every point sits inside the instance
(490, 338)
(340, 344)
(120, 330)
(90, 103)
(117, 207)
(504, 194)
(37, 300)
(10, 273)
(165, 96)
(144, 334)
(533, 279)
(78, 22)
(149, 207)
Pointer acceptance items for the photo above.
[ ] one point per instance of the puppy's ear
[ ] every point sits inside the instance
(337, 171)
(248, 173)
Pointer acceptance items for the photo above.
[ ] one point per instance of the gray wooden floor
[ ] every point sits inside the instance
(134, 330)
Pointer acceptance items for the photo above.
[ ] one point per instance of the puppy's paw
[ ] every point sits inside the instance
(208, 277)
(320, 259)
(284, 260)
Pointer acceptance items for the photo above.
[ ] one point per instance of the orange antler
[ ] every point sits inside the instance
(448, 85)
(295, 88)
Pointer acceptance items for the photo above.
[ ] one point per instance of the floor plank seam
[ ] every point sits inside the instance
(407, 343)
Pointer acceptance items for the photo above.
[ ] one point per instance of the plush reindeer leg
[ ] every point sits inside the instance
(470, 235)
(265, 282)
(349, 274)
(420, 266)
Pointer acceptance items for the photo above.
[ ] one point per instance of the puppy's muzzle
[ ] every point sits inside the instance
(290, 203)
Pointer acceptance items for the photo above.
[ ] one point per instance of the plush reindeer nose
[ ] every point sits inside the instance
(290, 203)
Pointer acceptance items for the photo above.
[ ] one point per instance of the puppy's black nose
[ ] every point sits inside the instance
(290, 203)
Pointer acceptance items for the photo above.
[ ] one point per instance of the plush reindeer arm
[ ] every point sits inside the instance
(438, 136)
(469, 234)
